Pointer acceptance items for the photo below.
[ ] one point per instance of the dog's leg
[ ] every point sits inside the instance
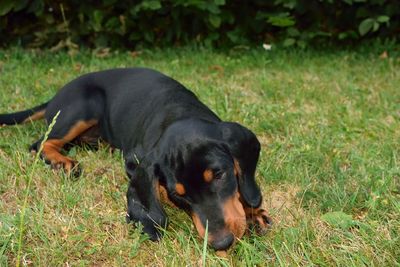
(143, 198)
(65, 130)
(80, 108)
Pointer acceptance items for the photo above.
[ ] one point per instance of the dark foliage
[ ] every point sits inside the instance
(128, 24)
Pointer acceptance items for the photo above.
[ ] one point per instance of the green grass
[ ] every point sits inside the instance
(329, 124)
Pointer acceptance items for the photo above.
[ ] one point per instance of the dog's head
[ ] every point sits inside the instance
(203, 177)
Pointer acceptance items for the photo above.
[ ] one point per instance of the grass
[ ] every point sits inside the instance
(329, 124)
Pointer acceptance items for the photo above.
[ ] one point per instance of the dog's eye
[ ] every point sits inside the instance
(219, 175)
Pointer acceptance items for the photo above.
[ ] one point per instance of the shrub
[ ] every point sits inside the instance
(128, 24)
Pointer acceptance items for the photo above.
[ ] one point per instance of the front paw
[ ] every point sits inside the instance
(258, 220)
(151, 226)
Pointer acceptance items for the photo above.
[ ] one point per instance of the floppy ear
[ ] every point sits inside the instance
(144, 198)
(169, 168)
(245, 149)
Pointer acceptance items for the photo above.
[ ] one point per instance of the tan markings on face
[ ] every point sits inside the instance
(208, 175)
(157, 187)
(236, 168)
(251, 212)
(52, 147)
(234, 215)
(35, 116)
(199, 226)
(164, 196)
(180, 189)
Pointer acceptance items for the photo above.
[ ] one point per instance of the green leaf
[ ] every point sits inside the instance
(383, 19)
(146, 5)
(215, 20)
(301, 44)
(365, 26)
(288, 4)
(233, 36)
(152, 5)
(342, 35)
(281, 20)
(348, 35)
(6, 6)
(376, 26)
(289, 42)
(219, 2)
(338, 219)
(214, 9)
(97, 20)
(292, 31)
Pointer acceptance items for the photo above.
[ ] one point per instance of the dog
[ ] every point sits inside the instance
(174, 147)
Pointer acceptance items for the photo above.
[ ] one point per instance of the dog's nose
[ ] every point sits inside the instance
(223, 243)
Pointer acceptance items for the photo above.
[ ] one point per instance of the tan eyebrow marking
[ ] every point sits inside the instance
(180, 189)
(208, 175)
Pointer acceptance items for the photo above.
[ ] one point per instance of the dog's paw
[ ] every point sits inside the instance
(149, 224)
(71, 167)
(258, 220)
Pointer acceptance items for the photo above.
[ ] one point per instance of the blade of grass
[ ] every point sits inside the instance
(30, 175)
(204, 254)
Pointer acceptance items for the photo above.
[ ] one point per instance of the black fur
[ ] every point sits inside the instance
(19, 117)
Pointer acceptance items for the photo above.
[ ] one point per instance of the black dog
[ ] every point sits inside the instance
(172, 145)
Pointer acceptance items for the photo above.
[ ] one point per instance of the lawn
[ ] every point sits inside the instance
(329, 124)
